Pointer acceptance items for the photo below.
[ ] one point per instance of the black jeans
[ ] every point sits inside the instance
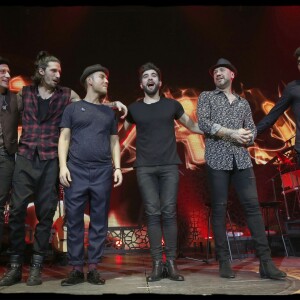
(39, 178)
(245, 185)
(158, 186)
(7, 164)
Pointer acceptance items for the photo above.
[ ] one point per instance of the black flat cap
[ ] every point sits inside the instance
(92, 69)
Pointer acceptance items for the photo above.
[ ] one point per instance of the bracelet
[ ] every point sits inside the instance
(117, 169)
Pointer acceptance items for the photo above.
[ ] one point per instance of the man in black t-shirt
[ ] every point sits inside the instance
(157, 167)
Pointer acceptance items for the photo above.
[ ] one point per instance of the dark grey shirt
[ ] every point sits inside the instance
(215, 111)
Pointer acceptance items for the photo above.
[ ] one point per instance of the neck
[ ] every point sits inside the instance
(151, 98)
(226, 90)
(3, 90)
(94, 98)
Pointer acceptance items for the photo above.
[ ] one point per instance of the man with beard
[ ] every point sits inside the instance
(156, 166)
(89, 138)
(36, 169)
(10, 109)
(226, 120)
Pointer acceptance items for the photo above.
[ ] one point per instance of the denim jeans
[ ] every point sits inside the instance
(158, 186)
(245, 185)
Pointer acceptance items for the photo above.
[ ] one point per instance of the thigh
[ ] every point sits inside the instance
(218, 182)
(147, 178)
(168, 188)
(245, 185)
(7, 164)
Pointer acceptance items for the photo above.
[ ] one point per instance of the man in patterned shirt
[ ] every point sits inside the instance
(226, 120)
(36, 169)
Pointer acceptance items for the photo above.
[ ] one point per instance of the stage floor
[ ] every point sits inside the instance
(125, 274)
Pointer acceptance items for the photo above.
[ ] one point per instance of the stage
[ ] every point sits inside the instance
(126, 273)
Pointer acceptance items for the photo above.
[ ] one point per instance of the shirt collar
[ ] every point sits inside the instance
(218, 91)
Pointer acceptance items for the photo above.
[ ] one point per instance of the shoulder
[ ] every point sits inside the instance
(293, 84)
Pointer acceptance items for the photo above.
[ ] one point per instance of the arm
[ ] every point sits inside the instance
(74, 96)
(279, 108)
(118, 105)
(241, 135)
(63, 149)
(186, 121)
(116, 156)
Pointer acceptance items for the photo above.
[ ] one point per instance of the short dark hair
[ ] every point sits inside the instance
(4, 61)
(42, 60)
(297, 52)
(149, 66)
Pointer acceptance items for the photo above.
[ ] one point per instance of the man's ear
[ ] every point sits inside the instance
(42, 71)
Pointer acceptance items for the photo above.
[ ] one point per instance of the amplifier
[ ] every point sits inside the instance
(293, 227)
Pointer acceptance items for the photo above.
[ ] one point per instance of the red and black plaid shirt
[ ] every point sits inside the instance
(44, 135)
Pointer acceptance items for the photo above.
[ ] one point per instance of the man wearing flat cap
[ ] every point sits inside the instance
(226, 120)
(89, 139)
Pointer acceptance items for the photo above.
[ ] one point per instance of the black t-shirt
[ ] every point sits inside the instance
(155, 131)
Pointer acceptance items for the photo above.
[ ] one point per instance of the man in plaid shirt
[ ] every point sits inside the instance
(36, 169)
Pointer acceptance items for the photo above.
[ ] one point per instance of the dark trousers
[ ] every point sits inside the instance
(245, 185)
(7, 164)
(93, 185)
(158, 186)
(36, 178)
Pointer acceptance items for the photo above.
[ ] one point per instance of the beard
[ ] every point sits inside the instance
(151, 91)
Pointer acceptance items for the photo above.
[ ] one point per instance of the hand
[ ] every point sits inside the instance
(242, 136)
(118, 177)
(65, 177)
(121, 107)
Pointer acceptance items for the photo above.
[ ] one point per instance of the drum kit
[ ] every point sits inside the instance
(286, 163)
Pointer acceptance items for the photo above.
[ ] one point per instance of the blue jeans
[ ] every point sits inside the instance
(158, 186)
(245, 185)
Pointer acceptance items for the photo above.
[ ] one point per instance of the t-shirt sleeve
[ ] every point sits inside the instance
(66, 120)
(179, 110)
(129, 117)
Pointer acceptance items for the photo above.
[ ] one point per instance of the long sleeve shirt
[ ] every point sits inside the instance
(290, 97)
(214, 111)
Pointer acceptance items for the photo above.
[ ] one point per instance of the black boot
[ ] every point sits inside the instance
(157, 271)
(225, 270)
(267, 269)
(172, 271)
(14, 273)
(35, 274)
